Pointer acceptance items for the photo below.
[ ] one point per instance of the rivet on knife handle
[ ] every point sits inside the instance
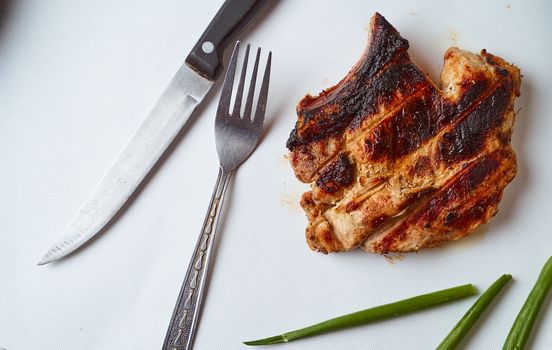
(232, 18)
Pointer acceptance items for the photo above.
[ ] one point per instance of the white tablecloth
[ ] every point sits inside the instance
(76, 78)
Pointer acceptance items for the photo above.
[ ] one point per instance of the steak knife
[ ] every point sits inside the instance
(186, 90)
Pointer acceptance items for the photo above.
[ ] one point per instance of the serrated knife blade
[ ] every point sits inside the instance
(153, 136)
(186, 90)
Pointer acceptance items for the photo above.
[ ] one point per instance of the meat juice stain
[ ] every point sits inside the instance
(453, 36)
(292, 200)
(284, 160)
(392, 258)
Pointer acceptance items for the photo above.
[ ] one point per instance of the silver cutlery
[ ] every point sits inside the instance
(236, 137)
(156, 132)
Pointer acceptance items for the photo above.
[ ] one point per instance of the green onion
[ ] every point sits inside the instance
(374, 314)
(470, 318)
(526, 318)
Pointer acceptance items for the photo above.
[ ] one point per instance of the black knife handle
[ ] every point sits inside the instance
(231, 18)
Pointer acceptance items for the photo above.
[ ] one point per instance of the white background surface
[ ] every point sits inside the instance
(76, 78)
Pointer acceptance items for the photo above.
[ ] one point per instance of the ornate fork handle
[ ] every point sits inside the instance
(186, 313)
(236, 137)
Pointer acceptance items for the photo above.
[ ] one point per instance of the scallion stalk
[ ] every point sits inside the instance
(373, 314)
(521, 329)
(470, 318)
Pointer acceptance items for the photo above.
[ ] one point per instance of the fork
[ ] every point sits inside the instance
(236, 137)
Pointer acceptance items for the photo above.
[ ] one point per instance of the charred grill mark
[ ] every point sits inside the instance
(368, 123)
(357, 96)
(336, 175)
(491, 60)
(389, 240)
(423, 117)
(471, 91)
(379, 143)
(460, 187)
(350, 109)
(384, 44)
(317, 155)
(398, 80)
(456, 190)
(357, 103)
(293, 140)
(404, 131)
(421, 167)
(468, 136)
(450, 218)
(472, 214)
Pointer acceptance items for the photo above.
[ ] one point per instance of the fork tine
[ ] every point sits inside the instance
(263, 94)
(238, 100)
(249, 102)
(226, 94)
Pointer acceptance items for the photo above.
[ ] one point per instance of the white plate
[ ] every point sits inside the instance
(77, 78)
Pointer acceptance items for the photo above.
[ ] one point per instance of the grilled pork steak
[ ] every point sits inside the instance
(396, 163)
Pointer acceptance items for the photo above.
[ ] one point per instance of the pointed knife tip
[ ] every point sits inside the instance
(45, 260)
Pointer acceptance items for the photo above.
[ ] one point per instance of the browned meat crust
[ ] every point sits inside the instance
(396, 163)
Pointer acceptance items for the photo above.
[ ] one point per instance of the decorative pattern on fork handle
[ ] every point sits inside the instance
(185, 316)
(236, 137)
